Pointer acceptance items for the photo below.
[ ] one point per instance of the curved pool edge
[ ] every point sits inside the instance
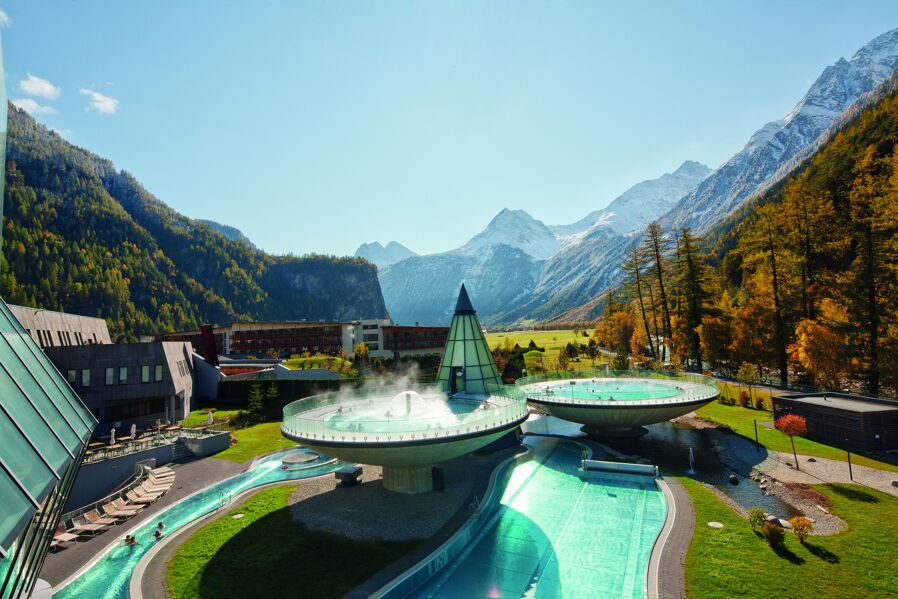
(134, 527)
(467, 529)
(135, 584)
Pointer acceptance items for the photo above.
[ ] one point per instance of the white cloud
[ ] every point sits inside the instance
(35, 86)
(102, 104)
(5, 21)
(32, 107)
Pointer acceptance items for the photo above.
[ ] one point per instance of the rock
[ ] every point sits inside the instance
(812, 460)
(895, 483)
(715, 524)
(237, 516)
(784, 523)
(811, 520)
(734, 480)
(822, 509)
(771, 519)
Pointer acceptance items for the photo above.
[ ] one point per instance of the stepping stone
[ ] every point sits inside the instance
(715, 524)
(237, 516)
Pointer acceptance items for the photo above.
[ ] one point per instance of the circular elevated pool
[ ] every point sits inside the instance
(406, 431)
(607, 404)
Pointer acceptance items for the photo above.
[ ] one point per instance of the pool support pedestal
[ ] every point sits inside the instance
(408, 479)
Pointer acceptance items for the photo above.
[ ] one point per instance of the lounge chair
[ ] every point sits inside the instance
(82, 526)
(62, 538)
(112, 511)
(162, 470)
(94, 517)
(160, 482)
(150, 488)
(135, 498)
(124, 506)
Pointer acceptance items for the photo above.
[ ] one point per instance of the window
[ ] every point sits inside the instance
(85, 377)
(158, 373)
(144, 374)
(110, 376)
(72, 377)
(122, 375)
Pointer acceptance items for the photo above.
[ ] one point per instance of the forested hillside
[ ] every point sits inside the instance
(803, 285)
(82, 237)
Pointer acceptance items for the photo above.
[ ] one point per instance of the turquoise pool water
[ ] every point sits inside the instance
(610, 390)
(109, 577)
(406, 412)
(556, 534)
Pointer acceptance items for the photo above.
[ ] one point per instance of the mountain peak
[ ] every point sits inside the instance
(515, 228)
(382, 256)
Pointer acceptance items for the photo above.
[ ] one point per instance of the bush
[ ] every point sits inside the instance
(759, 403)
(756, 518)
(802, 527)
(744, 398)
(773, 534)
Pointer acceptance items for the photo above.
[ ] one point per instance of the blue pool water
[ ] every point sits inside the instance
(109, 577)
(557, 534)
(611, 389)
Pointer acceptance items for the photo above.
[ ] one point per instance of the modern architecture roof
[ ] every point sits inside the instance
(844, 402)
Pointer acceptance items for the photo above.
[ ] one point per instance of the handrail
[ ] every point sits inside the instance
(695, 387)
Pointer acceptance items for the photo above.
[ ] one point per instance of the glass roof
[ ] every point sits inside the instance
(466, 348)
(43, 424)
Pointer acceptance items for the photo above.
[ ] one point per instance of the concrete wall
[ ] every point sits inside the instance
(208, 445)
(206, 378)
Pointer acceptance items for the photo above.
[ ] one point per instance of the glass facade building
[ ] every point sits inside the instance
(44, 429)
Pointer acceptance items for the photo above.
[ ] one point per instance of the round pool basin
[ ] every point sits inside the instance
(405, 432)
(619, 404)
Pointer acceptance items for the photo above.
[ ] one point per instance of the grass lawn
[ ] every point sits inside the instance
(552, 341)
(200, 417)
(299, 363)
(741, 420)
(735, 562)
(256, 440)
(267, 554)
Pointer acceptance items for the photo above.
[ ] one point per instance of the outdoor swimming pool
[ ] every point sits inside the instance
(557, 534)
(110, 575)
(611, 389)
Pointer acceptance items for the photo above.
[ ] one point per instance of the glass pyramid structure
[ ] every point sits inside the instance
(467, 365)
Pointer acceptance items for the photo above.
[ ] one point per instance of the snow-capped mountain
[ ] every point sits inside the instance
(641, 204)
(517, 229)
(518, 268)
(777, 142)
(382, 256)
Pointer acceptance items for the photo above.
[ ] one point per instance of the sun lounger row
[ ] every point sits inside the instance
(94, 522)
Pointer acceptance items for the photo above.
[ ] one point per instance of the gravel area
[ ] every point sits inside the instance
(368, 511)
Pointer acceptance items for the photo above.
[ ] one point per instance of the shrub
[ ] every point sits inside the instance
(744, 398)
(773, 534)
(759, 402)
(756, 518)
(802, 527)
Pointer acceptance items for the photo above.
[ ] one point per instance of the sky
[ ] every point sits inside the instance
(316, 126)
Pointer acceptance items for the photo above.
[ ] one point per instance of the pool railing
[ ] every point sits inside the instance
(304, 418)
(705, 386)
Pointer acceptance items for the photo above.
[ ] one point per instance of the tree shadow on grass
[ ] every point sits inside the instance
(787, 554)
(781, 550)
(853, 494)
(823, 553)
